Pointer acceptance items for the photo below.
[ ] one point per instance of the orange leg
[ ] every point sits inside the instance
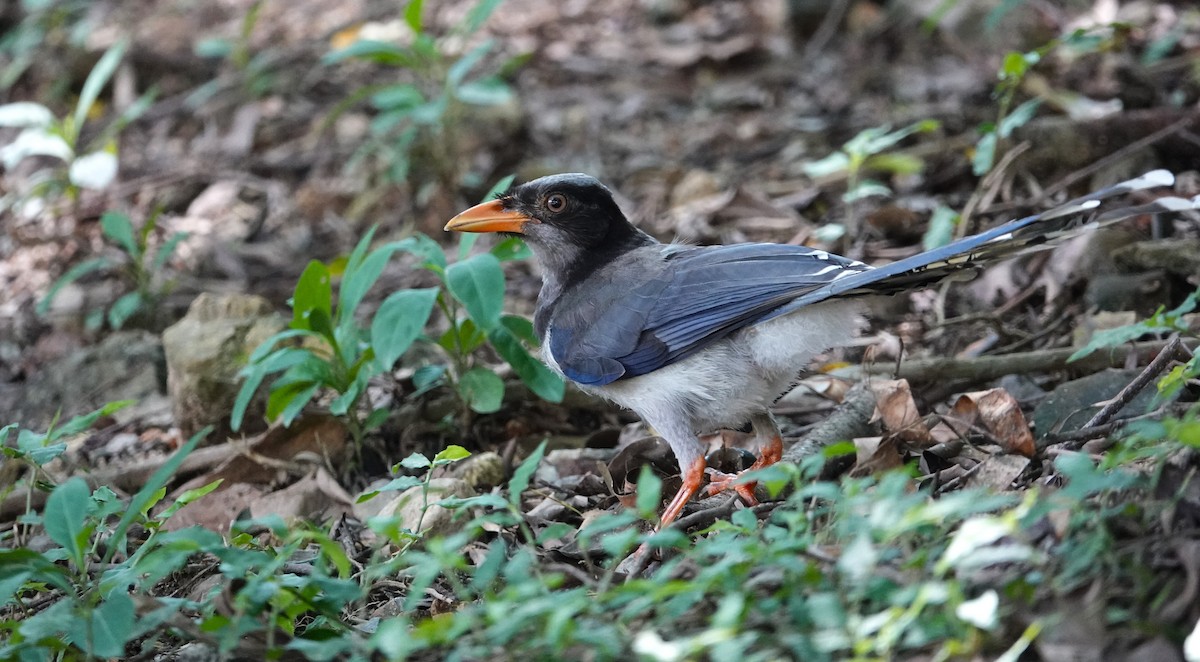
(692, 477)
(772, 452)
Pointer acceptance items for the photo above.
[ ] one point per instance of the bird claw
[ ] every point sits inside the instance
(720, 482)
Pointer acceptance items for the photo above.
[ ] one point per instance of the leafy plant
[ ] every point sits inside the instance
(425, 113)
(340, 353)
(42, 22)
(864, 153)
(253, 70)
(94, 612)
(141, 268)
(84, 166)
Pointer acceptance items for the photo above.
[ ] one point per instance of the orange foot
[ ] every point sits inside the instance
(772, 452)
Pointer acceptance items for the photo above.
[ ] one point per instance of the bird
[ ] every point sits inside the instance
(699, 338)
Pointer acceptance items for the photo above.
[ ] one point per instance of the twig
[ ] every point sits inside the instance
(1165, 357)
(984, 368)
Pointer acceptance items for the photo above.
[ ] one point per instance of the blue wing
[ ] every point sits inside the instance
(687, 299)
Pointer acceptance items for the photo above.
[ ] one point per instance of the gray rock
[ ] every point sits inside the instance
(204, 352)
(436, 520)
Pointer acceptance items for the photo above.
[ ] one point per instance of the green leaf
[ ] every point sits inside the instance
(145, 496)
(66, 515)
(941, 228)
(451, 453)
(412, 15)
(395, 485)
(490, 91)
(165, 251)
(415, 461)
(478, 282)
(94, 84)
(381, 52)
(314, 291)
(402, 96)
(111, 626)
(834, 163)
(1019, 117)
(399, 321)
(522, 474)
(985, 154)
(124, 308)
(479, 15)
(520, 327)
(73, 274)
(462, 339)
(865, 189)
(509, 249)
(482, 390)
(254, 374)
(119, 229)
(540, 379)
(649, 493)
(293, 400)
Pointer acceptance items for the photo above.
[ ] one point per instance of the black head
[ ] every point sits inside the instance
(570, 221)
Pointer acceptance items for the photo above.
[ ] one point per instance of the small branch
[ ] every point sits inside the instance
(985, 368)
(1173, 350)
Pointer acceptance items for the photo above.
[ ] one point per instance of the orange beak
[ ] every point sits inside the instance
(489, 217)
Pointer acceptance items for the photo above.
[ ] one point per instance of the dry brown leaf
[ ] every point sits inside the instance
(895, 407)
(874, 455)
(1000, 414)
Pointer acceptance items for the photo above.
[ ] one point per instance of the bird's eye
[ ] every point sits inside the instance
(556, 202)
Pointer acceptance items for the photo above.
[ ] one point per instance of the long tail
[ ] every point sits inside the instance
(1023, 235)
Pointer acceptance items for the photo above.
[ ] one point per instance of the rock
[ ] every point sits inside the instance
(436, 520)
(127, 365)
(481, 471)
(204, 352)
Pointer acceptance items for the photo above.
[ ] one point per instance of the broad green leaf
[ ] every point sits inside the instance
(73, 274)
(95, 83)
(354, 261)
(412, 15)
(124, 308)
(111, 626)
(399, 321)
(941, 228)
(66, 516)
(395, 485)
(481, 389)
(451, 453)
(478, 282)
(415, 461)
(314, 291)
(540, 379)
(118, 228)
(895, 163)
(520, 327)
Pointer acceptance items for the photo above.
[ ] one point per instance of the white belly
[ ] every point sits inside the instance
(736, 377)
